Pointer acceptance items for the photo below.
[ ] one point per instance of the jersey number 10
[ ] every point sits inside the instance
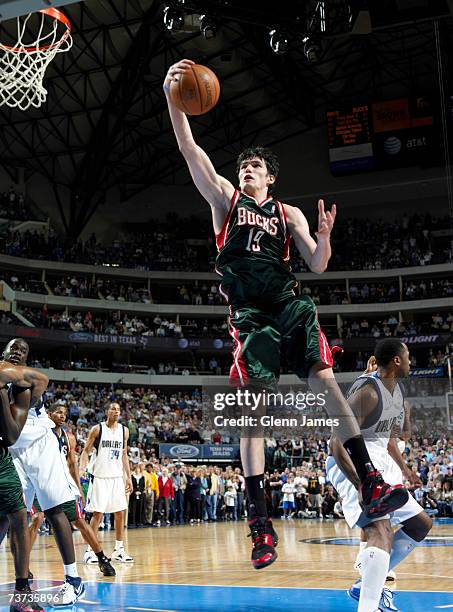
(253, 243)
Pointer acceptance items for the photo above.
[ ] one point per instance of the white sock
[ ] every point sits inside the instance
(71, 570)
(358, 560)
(401, 547)
(375, 565)
(119, 544)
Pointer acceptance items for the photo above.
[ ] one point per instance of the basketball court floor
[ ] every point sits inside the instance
(206, 567)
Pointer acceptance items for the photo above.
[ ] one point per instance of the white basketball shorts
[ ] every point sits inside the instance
(350, 499)
(42, 471)
(106, 495)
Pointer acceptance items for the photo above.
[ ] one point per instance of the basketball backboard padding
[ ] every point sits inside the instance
(14, 8)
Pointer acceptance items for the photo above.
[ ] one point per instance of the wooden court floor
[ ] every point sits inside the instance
(312, 554)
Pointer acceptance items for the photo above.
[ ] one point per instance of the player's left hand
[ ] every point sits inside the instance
(326, 219)
(129, 486)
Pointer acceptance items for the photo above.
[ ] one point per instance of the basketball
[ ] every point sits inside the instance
(196, 91)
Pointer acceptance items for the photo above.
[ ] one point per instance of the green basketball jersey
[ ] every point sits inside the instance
(253, 257)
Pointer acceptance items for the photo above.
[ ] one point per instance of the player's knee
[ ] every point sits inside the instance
(418, 527)
(380, 534)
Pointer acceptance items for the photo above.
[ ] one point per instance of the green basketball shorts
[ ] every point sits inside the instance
(11, 494)
(262, 338)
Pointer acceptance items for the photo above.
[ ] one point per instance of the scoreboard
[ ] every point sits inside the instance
(350, 144)
(388, 134)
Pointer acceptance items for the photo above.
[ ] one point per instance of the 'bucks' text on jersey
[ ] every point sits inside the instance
(253, 257)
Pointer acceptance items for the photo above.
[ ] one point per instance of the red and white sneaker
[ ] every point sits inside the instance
(264, 541)
(378, 498)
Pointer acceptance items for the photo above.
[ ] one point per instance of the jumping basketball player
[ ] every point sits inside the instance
(37, 459)
(253, 233)
(12, 507)
(377, 401)
(107, 490)
(73, 509)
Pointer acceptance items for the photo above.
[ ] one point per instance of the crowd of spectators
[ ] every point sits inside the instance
(188, 245)
(440, 322)
(116, 322)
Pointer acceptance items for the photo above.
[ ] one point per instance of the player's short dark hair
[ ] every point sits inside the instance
(54, 407)
(387, 349)
(269, 158)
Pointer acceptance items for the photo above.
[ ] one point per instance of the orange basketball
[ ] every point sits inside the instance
(196, 91)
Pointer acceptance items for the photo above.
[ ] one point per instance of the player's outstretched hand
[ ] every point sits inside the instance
(174, 71)
(326, 219)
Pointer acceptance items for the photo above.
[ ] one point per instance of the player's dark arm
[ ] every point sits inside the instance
(36, 380)
(94, 432)
(72, 460)
(343, 460)
(362, 404)
(316, 254)
(12, 418)
(215, 189)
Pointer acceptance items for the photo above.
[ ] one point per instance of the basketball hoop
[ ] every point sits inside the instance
(23, 64)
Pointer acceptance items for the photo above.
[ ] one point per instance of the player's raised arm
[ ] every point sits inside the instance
(215, 189)
(26, 378)
(316, 254)
(38, 382)
(94, 432)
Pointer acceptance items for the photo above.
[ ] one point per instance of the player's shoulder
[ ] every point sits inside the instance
(293, 212)
(365, 387)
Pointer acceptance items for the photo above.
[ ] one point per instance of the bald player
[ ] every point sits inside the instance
(110, 479)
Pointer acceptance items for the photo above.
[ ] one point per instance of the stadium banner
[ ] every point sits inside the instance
(430, 372)
(221, 451)
(50, 336)
(187, 452)
(362, 343)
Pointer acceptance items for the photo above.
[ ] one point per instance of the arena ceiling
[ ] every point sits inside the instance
(105, 122)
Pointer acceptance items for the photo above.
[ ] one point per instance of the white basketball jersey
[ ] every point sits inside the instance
(109, 451)
(388, 415)
(37, 424)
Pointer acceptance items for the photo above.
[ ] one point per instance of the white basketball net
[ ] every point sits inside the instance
(22, 66)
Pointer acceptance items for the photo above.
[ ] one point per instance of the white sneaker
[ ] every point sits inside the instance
(69, 592)
(90, 558)
(119, 554)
